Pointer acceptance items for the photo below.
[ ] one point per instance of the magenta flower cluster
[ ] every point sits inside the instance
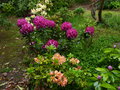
(51, 42)
(66, 26)
(21, 22)
(41, 22)
(71, 33)
(90, 30)
(26, 29)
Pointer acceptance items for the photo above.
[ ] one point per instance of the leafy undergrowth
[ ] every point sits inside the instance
(104, 37)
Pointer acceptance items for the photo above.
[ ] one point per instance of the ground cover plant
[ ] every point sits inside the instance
(68, 50)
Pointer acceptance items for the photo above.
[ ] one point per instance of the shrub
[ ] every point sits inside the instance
(4, 22)
(112, 4)
(115, 5)
(113, 21)
(79, 11)
(57, 72)
(107, 79)
(111, 57)
(7, 8)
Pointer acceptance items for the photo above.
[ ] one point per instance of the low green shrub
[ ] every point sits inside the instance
(112, 4)
(4, 22)
(107, 78)
(115, 5)
(7, 8)
(111, 57)
(112, 21)
(79, 11)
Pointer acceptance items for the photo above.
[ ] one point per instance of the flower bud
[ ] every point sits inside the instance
(99, 77)
(110, 67)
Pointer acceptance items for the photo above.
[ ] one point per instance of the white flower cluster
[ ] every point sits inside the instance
(42, 8)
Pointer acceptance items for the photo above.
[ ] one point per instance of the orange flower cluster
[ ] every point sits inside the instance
(36, 60)
(61, 59)
(78, 68)
(74, 61)
(59, 78)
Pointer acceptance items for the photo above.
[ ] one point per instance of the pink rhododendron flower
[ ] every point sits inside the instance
(21, 22)
(66, 26)
(40, 22)
(50, 23)
(51, 42)
(59, 78)
(71, 33)
(90, 30)
(26, 29)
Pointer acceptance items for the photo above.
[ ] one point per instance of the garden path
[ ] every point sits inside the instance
(11, 54)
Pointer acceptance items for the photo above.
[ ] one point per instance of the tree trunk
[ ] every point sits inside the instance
(100, 11)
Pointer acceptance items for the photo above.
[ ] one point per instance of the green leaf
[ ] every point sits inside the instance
(113, 79)
(101, 69)
(96, 83)
(93, 78)
(108, 86)
(37, 77)
(116, 72)
(108, 50)
(105, 77)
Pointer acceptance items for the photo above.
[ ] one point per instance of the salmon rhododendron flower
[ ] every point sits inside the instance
(36, 60)
(66, 26)
(61, 59)
(59, 78)
(90, 30)
(78, 68)
(71, 33)
(74, 61)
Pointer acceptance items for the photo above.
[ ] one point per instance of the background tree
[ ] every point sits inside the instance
(97, 5)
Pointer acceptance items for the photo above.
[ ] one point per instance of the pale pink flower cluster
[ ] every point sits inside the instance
(61, 59)
(74, 61)
(59, 78)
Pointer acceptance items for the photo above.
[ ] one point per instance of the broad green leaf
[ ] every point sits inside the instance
(116, 72)
(101, 69)
(37, 77)
(113, 79)
(108, 50)
(93, 78)
(96, 83)
(105, 77)
(106, 85)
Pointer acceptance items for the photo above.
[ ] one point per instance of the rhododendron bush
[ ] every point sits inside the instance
(41, 32)
(55, 66)
(54, 71)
